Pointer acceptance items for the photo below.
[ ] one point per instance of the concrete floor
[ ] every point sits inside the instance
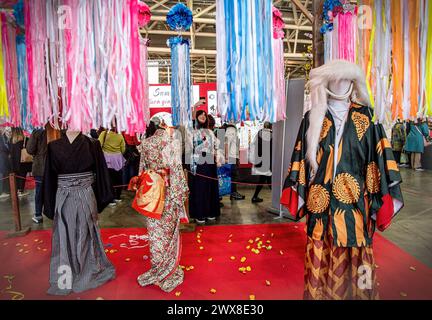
(410, 230)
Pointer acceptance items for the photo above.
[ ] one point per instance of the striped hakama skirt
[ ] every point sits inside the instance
(78, 260)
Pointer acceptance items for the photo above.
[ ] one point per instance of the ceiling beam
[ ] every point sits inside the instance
(199, 14)
(303, 9)
(158, 4)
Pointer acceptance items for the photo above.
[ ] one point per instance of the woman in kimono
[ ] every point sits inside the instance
(76, 187)
(344, 179)
(161, 193)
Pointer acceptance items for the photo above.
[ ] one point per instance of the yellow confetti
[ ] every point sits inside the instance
(404, 294)
(281, 252)
(248, 268)
(248, 247)
(199, 241)
(26, 245)
(229, 241)
(127, 259)
(201, 248)
(241, 269)
(251, 241)
(36, 240)
(40, 242)
(251, 297)
(198, 235)
(243, 259)
(269, 247)
(44, 249)
(191, 267)
(210, 259)
(268, 241)
(182, 267)
(296, 227)
(413, 268)
(230, 236)
(232, 258)
(112, 251)
(26, 252)
(21, 250)
(39, 248)
(18, 244)
(201, 231)
(257, 251)
(178, 293)
(268, 283)
(187, 268)
(257, 239)
(212, 290)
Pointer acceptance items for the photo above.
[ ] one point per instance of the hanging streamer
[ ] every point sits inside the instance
(4, 105)
(424, 7)
(245, 36)
(23, 82)
(180, 82)
(143, 61)
(347, 29)
(428, 80)
(279, 65)
(8, 34)
(398, 59)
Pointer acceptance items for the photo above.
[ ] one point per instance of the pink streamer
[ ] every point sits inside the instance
(136, 120)
(347, 36)
(144, 71)
(11, 70)
(36, 42)
(279, 74)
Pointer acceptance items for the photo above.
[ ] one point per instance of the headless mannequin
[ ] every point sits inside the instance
(72, 135)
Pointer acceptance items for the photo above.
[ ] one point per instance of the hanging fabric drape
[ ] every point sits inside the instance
(246, 90)
(347, 29)
(398, 58)
(180, 82)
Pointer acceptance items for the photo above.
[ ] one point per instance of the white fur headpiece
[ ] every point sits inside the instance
(320, 78)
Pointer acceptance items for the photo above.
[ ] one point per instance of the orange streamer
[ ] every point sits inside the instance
(414, 26)
(398, 58)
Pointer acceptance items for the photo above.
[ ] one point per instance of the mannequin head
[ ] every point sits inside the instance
(339, 86)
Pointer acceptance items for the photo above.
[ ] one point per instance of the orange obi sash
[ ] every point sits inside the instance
(150, 188)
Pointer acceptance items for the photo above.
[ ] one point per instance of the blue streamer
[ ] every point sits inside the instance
(181, 82)
(249, 61)
(23, 80)
(18, 12)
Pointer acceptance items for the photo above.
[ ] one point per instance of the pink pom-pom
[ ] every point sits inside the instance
(144, 14)
(278, 24)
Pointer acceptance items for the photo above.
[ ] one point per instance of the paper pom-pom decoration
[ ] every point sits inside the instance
(179, 18)
(144, 14)
(278, 24)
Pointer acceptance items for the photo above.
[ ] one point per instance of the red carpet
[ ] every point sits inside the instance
(27, 260)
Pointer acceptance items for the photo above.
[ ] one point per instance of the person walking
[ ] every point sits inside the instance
(398, 140)
(20, 161)
(415, 142)
(37, 147)
(4, 164)
(114, 146)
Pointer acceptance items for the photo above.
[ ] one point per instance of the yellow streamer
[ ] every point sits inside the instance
(369, 67)
(4, 106)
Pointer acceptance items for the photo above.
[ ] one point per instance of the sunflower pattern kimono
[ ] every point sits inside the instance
(344, 207)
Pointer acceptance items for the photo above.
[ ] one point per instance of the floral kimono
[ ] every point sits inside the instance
(161, 155)
(355, 188)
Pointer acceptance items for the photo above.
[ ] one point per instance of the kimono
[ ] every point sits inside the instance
(354, 190)
(76, 187)
(161, 154)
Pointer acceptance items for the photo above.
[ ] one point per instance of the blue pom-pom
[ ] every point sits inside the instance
(18, 13)
(179, 18)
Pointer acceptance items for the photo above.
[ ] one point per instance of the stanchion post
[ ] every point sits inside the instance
(15, 208)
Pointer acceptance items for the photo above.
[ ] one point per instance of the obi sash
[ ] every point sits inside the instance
(150, 188)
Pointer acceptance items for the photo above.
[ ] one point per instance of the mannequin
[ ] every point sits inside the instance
(343, 177)
(72, 135)
(76, 187)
